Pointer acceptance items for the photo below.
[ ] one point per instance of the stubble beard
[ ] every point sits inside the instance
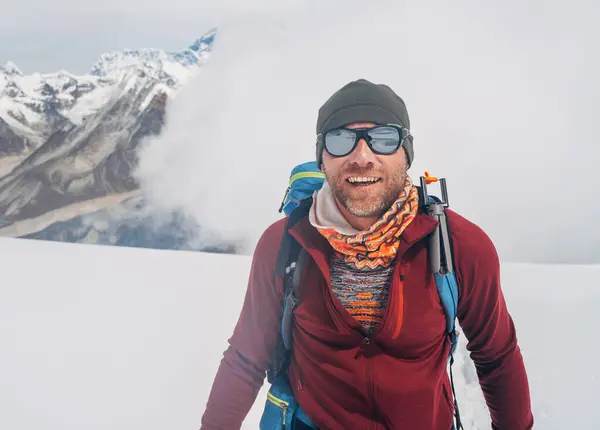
(368, 204)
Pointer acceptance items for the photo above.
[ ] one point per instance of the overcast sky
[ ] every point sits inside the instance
(68, 34)
(502, 96)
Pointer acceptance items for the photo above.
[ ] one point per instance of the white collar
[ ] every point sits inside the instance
(325, 213)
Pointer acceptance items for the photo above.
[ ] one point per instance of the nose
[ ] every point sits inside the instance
(362, 154)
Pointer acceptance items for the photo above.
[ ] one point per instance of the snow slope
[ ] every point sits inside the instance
(103, 337)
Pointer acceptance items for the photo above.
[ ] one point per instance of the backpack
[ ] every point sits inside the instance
(281, 409)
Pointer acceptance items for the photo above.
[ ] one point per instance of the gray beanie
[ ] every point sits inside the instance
(363, 101)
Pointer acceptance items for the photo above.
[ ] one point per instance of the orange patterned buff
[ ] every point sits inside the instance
(377, 246)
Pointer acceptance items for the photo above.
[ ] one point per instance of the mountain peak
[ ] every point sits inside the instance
(11, 69)
(205, 42)
(150, 58)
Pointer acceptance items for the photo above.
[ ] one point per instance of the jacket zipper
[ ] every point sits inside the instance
(280, 403)
(371, 388)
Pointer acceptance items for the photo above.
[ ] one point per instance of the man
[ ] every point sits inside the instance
(369, 346)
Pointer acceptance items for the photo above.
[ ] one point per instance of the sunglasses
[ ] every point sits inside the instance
(382, 139)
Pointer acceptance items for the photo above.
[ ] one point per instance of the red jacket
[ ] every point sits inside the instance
(397, 381)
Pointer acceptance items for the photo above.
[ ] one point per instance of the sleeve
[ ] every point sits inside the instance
(490, 330)
(242, 370)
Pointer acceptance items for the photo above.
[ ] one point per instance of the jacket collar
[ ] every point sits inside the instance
(318, 246)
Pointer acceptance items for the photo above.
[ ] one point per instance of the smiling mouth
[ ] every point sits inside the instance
(362, 181)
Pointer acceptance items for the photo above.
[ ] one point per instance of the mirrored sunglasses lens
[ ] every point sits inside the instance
(339, 142)
(385, 139)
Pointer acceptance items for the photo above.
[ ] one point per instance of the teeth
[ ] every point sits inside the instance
(355, 179)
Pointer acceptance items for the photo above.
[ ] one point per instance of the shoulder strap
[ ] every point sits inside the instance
(292, 296)
(290, 266)
(289, 248)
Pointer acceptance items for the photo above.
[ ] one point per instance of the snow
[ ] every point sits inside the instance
(158, 88)
(9, 109)
(104, 337)
(108, 74)
(64, 84)
(11, 68)
(130, 81)
(179, 72)
(16, 112)
(30, 117)
(110, 64)
(3, 81)
(30, 84)
(89, 103)
(555, 312)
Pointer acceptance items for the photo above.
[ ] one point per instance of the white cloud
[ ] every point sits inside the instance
(501, 103)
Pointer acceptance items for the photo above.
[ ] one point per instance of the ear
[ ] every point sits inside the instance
(319, 153)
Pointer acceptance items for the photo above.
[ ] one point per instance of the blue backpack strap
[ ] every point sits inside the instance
(448, 292)
(442, 266)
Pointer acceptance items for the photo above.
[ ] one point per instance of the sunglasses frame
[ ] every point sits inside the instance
(362, 133)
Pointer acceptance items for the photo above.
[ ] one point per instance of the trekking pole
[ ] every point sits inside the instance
(440, 257)
(440, 253)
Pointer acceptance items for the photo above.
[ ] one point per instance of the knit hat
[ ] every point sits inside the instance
(363, 101)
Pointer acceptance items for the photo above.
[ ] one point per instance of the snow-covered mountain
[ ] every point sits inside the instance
(66, 139)
(34, 107)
